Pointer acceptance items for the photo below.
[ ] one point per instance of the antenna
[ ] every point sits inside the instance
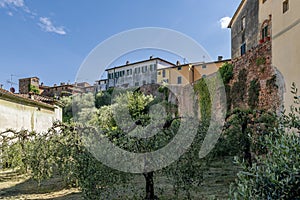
(11, 80)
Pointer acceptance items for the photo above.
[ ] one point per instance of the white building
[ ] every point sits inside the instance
(136, 74)
(28, 112)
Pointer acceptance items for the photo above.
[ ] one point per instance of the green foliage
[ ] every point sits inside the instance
(67, 109)
(253, 93)
(239, 89)
(275, 174)
(244, 134)
(260, 61)
(33, 89)
(205, 100)
(186, 174)
(226, 72)
(103, 98)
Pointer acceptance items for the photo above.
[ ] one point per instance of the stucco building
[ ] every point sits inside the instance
(136, 74)
(27, 112)
(183, 74)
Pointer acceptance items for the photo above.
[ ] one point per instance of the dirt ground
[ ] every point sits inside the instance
(16, 186)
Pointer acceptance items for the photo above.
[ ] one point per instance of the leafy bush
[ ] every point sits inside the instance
(275, 174)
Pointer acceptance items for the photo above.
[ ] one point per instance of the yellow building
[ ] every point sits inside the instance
(188, 73)
(283, 19)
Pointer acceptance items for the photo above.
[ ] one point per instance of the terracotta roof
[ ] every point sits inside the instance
(35, 99)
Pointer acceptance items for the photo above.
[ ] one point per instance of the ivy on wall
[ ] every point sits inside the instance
(253, 93)
(239, 88)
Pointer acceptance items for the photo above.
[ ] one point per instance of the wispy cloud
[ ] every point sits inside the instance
(44, 23)
(224, 22)
(11, 3)
(47, 25)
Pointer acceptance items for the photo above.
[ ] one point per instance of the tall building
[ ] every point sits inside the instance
(244, 28)
(285, 29)
(26, 83)
(257, 21)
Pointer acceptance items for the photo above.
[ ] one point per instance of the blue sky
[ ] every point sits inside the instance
(51, 38)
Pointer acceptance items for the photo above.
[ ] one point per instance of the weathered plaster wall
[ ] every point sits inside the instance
(251, 31)
(19, 116)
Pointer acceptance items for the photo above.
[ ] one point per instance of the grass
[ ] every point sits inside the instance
(14, 185)
(215, 184)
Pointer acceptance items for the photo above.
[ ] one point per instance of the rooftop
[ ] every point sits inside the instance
(129, 64)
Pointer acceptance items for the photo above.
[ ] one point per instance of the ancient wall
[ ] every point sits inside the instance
(254, 72)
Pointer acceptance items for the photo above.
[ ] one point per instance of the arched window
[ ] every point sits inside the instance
(265, 31)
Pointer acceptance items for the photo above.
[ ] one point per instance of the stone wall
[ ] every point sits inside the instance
(257, 65)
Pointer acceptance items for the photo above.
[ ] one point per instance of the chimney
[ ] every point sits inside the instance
(151, 57)
(127, 62)
(178, 63)
(54, 85)
(220, 58)
(62, 83)
(42, 84)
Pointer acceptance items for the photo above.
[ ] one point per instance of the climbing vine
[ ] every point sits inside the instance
(253, 94)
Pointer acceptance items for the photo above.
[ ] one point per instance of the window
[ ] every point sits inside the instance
(130, 71)
(285, 6)
(154, 67)
(203, 76)
(204, 66)
(164, 73)
(243, 25)
(139, 70)
(159, 73)
(264, 32)
(264, 1)
(179, 80)
(179, 68)
(136, 84)
(127, 72)
(144, 82)
(144, 69)
(243, 49)
(152, 81)
(135, 70)
(243, 37)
